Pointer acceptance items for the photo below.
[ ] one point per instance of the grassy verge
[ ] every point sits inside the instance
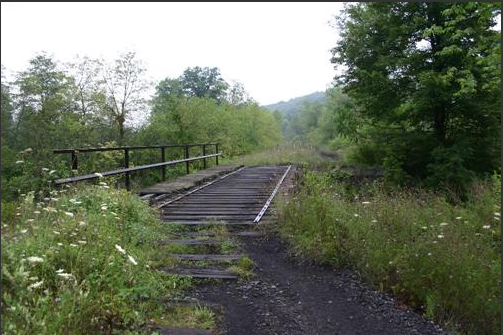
(281, 154)
(80, 262)
(440, 258)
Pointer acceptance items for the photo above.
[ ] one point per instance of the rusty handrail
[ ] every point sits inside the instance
(127, 170)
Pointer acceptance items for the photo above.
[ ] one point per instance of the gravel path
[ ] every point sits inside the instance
(287, 297)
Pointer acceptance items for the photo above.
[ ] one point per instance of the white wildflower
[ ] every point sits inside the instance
(35, 259)
(52, 171)
(440, 236)
(24, 231)
(82, 223)
(102, 183)
(458, 218)
(424, 227)
(486, 226)
(35, 285)
(82, 242)
(443, 224)
(497, 214)
(356, 215)
(496, 218)
(374, 221)
(28, 150)
(56, 232)
(65, 275)
(69, 214)
(59, 244)
(33, 278)
(30, 220)
(73, 245)
(104, 208)
(132, 260)
(99, 175)
(60, 270)
(365, 202)
(36, 212)
(45, 169)
(119, 249)
(19, 162)
(429, 254)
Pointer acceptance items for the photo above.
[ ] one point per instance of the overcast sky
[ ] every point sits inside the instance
(277, 50)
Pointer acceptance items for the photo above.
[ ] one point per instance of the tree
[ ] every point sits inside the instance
(204, 82)
(425, 78)
(237, 94)
(125, 85)
(43, 103)
(6, 109)
(89, 96)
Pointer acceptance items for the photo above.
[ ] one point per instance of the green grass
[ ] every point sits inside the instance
(82, 262)
(281, 154)
(443, 259)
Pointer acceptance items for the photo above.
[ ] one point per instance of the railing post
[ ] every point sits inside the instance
(186, 157)
(216, 151)
(126, 165)
(204, 154)
(75, 162)
(163, 159)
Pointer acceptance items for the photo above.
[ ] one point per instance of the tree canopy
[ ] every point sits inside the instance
(425, 77)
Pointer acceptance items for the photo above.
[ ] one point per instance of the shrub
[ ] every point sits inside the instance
(79, 262)
(441, 258)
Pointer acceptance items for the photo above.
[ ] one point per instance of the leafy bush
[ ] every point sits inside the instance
(79, 262)
(440, 258)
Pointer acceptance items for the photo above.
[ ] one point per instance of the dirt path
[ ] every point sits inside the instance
(286, 297)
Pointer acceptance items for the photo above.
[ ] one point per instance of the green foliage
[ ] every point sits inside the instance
(439, 258)
(425, 81)
(239, 129)
(80, 263)
(281, 154)
(92, 103)
(294, 105)
(203, 83)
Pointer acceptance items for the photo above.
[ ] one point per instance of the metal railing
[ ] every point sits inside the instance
(127, 170)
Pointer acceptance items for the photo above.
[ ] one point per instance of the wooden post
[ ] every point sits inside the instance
(216, 151)
(163, 159)
(186, 157)
(204, 154)
(75, 162)
(126, 165)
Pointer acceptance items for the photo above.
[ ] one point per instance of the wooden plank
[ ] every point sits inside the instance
(205, 241)
(206, 257)
(202, 273)
(181, 331)
(190, 222)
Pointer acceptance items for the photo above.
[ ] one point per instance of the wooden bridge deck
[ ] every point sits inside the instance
(188, 181)
(239, 196)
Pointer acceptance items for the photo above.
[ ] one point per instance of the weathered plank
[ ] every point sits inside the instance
(202, 273)
(206, 257)
(202, 241)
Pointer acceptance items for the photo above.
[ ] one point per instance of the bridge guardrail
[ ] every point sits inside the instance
(127, 170)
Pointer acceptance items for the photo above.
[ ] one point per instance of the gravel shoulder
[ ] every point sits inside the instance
(287, 296)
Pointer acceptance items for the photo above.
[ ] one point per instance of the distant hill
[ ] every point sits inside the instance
(292, 106)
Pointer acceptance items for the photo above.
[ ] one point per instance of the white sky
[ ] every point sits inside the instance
(277, 50)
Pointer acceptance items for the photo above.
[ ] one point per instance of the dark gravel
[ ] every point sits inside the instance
(289, 297)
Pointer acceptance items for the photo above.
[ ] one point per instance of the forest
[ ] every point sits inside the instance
(417, 98)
